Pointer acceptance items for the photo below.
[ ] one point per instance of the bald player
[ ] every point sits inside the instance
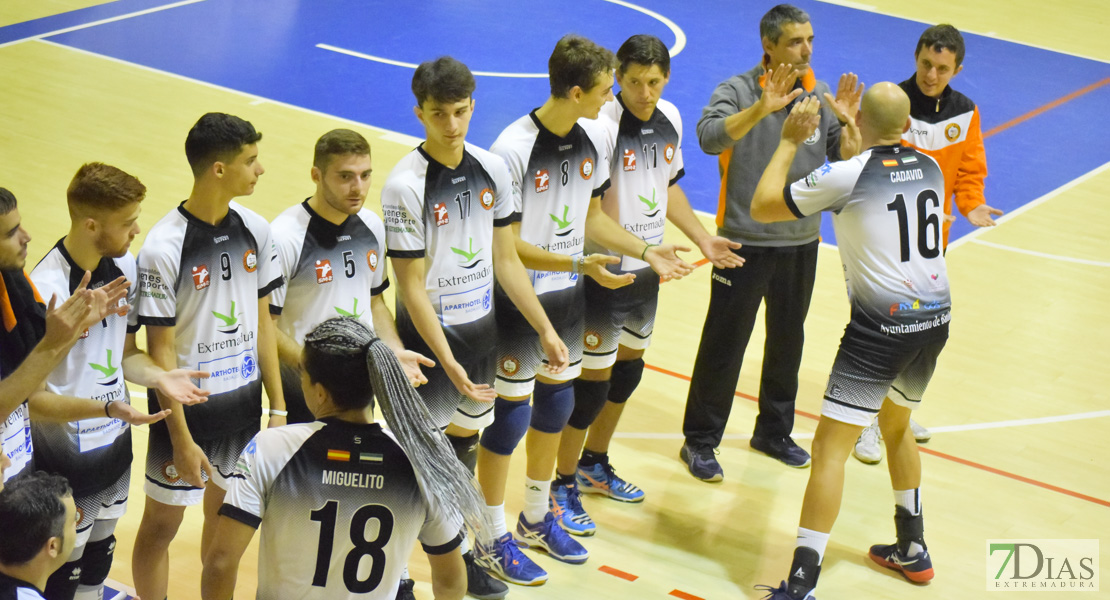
(888, 212)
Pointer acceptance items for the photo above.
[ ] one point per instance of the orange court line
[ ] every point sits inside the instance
(618, 573)
(955, 459)
(684, 595)
(1047, 107)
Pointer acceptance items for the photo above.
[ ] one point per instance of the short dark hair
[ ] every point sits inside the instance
(942, 37)
(646, 50)
(576, 61)
(338, 142)
(217, 137)
(32, 512)
(443, 80)
(98, 186)
(770, 26)
(335, 356)
(7, 201)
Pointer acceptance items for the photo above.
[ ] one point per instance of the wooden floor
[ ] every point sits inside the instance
(1028, 344)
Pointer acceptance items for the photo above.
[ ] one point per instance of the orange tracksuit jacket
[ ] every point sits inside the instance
(947, 129)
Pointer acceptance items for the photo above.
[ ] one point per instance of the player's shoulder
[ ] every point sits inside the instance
(290, 221)
(167, 235)
(493, 163)
(127, 265)
(371, 219)
(253, 220)
(408, 173)
(517, 138)
(596, 132)
(670, 112)
(51, 274)
(282, 441)
(959, 103)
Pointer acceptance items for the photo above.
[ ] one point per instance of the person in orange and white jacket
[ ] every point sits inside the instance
(945, 125)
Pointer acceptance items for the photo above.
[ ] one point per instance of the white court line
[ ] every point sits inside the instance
(1081, 261)
(679, 46)
(1030, 205)
(989, 34)
(101, 22)
(384, 133)
(942, 429)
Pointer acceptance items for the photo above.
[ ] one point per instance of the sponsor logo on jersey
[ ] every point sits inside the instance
(952, 131)
(250, 260)
(107, 370)
(651, 207)
(457, 180)
(324, 272)
(543, 181)
(668, 153)
(563, 224)
(342, 238)
(222, 238)
(630, 160)
(915, 305)
(811, 180)
(440, 212)
(201, 279)
(592, 339)
(170, 472)
(248, 367)
(80, 517)
(485, 198)
(890, 162)
(340, 455)
(229, 323)
(586, 168)
(372, 259)
(510, 365)
(468, 257)
(84, 334)
(352, 313)
(813, 139)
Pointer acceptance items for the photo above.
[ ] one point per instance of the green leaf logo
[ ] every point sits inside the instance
(353, 312)
(105, 371)
(564, 222)
(228, 319)
(649, 204)
(467, 255)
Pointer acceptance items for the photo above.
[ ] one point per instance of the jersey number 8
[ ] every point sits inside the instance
(375, 548)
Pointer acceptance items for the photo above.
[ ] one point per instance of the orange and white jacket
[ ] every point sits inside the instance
(947, 129)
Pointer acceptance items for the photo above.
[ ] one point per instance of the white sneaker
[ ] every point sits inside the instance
(868, 450)
(920, 434)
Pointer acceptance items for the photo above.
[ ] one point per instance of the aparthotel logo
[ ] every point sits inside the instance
(1042, 565)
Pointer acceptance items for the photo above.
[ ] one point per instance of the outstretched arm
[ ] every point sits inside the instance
(768, 204)
(717, 249)
(386, 329)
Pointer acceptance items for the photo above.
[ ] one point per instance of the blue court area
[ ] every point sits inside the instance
(314, 55)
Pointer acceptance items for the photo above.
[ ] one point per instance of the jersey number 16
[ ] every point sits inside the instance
(928, 224)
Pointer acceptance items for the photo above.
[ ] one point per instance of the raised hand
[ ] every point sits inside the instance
(848, 95)
(479, 392)
(132, 416)
(802, 120)
(594, 266)
(778, 88)
(983, 216)
(177, 385)
(411, 362)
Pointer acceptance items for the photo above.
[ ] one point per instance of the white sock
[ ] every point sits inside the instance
(909, 500)
(405, 573)
(535, 499)
(808, 538)
(464, 545)
(496, 517)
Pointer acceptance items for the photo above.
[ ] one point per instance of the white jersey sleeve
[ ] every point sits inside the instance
(826, 188)
(672, 153)
(288, 231)
(403, 208)
(158, 264)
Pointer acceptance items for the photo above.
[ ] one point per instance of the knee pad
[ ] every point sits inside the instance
(510, 423)
(62, 584)
(626, 376)
(553, 406)
(589, 398)
(97, 561)
(466, 449)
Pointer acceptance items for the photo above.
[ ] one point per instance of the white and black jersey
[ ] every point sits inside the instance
(91, 453)
(330, 270)
(339, 507)
(887, 211)
(645, 159)
(554, 179)
(446, 217)
(206, 281)
(15, 441)
(17, 589)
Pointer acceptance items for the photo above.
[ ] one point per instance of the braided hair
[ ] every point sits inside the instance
(344, 356)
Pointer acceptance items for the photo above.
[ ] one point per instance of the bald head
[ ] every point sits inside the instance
(885, 108)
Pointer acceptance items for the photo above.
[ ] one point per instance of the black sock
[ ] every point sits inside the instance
(590, 459)
(561, 479)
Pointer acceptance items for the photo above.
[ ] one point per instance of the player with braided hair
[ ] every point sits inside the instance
(327, 480)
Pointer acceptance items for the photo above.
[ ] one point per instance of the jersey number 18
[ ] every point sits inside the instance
(375, 548)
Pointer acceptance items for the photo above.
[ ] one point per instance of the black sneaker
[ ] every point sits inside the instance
(404, 592)
(702, 463)
(783, 449)
(481, 584)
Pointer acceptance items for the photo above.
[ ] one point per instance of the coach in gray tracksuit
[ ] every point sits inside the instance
(742, 124)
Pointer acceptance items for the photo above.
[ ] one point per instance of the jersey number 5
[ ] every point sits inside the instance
(928, 224)
(375, 548)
